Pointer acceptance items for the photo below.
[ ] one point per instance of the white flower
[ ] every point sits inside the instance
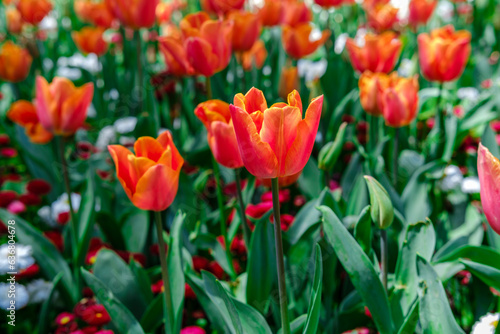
(49, 214)
(444, 10)
(468, 93)
(48, 23)
(453, 178)
(107, 135)
(21, 296)
(340, 42)
(70, 73)
(311, 70)
(126, 124)
(406, 68)
(126, 140)
(486, 324)
(23, 258)
(38, 290)
(470, 185)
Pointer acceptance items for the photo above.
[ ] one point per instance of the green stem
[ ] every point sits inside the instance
(169, 314)
(73, 224)
(285, 322)
(384, 252)
(223, 227)
(139, 69)
(441, 123)
(246, 230)
(209, 88)
(395, 159)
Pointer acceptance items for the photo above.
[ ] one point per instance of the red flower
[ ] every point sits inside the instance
(38, 187)
(200, 263)
(192, 330)
(4, 139)
(258, 210)
(188, 292)
(284, 196)
(216, 269)
(30, 271)
(95, 315)
(7, 197)
(65, 318)
(8, 152)
(30, 199)
(157, 287)
(63, 218)
(56, 238)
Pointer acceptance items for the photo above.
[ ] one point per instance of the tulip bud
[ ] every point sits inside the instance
(381, 210)
(330, 152)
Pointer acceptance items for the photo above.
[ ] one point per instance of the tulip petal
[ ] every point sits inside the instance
(252, 101)
(37, 133)
(120, 155)
(175, 56)
(166, 140)
(23, 113)
(258, 157)
(74, 109)
(42, 103)
(156, 189)
(224, 145)
(148, 147)
(300, 151)
(201, 56)
(489, 177)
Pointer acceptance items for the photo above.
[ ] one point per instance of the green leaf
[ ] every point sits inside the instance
(111, 230)
(119, 279)
(44, 312)
(310, 180)
(121, 317)
(153, 316)
(487, 274)
(135, 230)
(435, 312)
(296, 325)
(360, 270)
(420, 239)
(411, 320)
(329, 154)
(261, 265)
(480, 254)
(85, 219)
(314, 309)
(45, 253)
(175, 269)
(363, 230)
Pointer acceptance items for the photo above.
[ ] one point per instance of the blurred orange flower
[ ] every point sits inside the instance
(24, 114)
(247, 27)
(33, 11)
(256, 56)
(289, 81)
(216, 117)
(443, 53)
(271, 12)
(369, 86)
(276, 141)
(222, 6)
(297, 40)
(15, 62)
(382, 17)
(399, 100)
(62, 107)
(15, 22)
(150, 177)
(97, 13)
(378, 54)
(421, 11)
(89, 40)
(134, 14)
(295, 13)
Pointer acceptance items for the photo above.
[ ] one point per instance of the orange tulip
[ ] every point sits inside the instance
(488, 170)
(207, 43)
(444, 53)
(175, 56)
(62, 107)
(15, 62)
(96, 13)
(289, 81)
(150, 177)
(295, 13)
(271, 12)
(378, 54)
(247, 25)
(367, 4)
(15, 22)
(134, 14)
(369, 86)
(274, 142)
(382, 17)
(216, 117)
(399, 100)
(256, 56)
(222, 6)
(421, 11)
(297, 42)
(24, 114)
(33, 11)
(89, 40)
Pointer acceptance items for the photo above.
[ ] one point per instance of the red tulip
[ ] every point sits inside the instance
(378, 54)
(150, 177)
(399, 100)
(289, 81)
(15, 22)
(134, 14)
(382, 17)
(89, 40)
(276, 141)
(297, 40)
(15, 62)
(216, 117)
(271, 12)
(421, 11)
(97, 13)
(256, 56)
(443, 53)
(61, 107)
(488, 169)
(24, 114)
(33, 11)
(247, 25)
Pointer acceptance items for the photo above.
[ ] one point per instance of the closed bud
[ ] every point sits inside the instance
(381, 210)
(330, 152)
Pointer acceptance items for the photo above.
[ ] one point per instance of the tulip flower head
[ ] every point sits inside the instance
(134, 14)
(33, 11)
(382, 17)
(222, 6)
(89, 40)
(295, 13)
(24, 114)
(62, 107)
(421, 11)
(488, 169)
(276, 141)
(15, 22)
(369, 86)
(247, 25)
(378, 54)
(443, 53)
(399, 100)
(15, 62)
(331, 3)
(216, 117)
(271, 12)
(289, 81)
(297, 40)
(256, 56)
(96, 13)
(150, 177)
